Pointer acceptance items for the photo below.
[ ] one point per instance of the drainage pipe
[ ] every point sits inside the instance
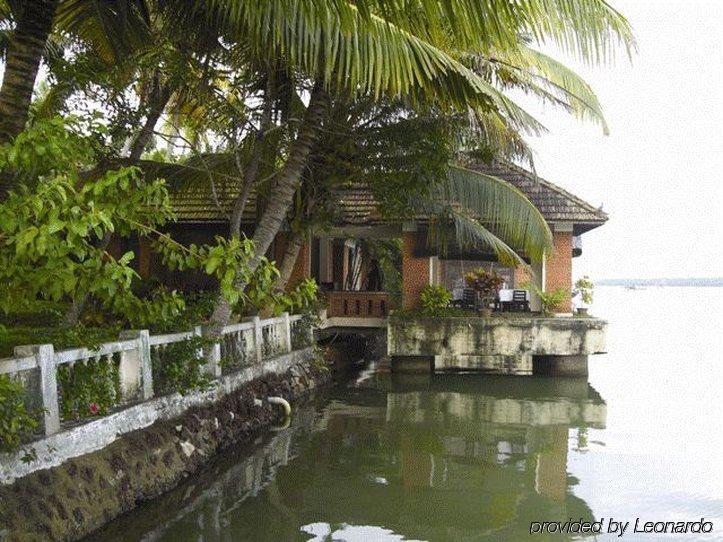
(281, 401)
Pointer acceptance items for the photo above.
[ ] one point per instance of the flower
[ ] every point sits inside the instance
(94, 408)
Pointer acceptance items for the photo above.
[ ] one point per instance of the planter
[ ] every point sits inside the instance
(582, 311)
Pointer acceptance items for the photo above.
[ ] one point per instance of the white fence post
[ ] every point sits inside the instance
(45, 358)
(145, 367)
(287, 331)
(130, 373)
(212, 352)
(258, 339)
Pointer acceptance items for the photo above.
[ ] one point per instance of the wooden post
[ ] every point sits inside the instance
(287, 331)
(144, 360)
(45, 359)
(258, 340)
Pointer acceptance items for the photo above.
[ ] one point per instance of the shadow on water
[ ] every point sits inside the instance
(458, 457)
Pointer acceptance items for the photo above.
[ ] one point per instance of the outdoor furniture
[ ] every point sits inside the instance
(514, 300)
(469, 299)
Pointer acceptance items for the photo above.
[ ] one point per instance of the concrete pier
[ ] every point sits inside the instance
(518, 345)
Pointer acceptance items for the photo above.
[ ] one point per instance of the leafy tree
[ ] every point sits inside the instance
(53, 224)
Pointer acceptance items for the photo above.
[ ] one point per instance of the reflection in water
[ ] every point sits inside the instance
(443, 458)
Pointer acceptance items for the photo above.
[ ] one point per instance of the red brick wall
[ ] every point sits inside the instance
(521, 276)
(415, 271)
(558, 268)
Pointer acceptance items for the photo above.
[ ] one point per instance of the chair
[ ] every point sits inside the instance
(469, 299)
(520, 301)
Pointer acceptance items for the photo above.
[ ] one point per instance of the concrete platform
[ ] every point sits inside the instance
(519, 345)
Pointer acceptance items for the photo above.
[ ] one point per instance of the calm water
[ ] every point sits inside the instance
(479, 458)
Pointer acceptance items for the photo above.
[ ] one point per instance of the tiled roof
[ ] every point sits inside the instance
(556, 204)
(356, 205)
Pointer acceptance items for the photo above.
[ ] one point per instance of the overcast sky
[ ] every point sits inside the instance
(658, 174)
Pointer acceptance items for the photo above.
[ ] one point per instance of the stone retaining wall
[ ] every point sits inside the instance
(81, 494)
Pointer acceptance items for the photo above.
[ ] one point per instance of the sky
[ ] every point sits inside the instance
(658, 174)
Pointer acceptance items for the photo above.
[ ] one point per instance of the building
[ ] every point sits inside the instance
(336, 259)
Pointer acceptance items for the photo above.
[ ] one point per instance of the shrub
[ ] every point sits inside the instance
(180, 366)
(549, 300)
(16, 423)
(88, 389)
(434, 298)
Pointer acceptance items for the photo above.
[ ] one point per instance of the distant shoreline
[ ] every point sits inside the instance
(707, 282)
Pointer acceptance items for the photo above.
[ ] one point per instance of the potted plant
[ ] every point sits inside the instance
(486, 284)
(583, 289)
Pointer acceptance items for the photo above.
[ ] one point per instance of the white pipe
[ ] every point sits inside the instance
(281, 401)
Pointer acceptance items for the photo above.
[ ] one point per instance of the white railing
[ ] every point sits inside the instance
(239, 345)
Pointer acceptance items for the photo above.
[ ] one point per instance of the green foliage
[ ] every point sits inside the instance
(54, 223)
(88, 388)
(301, 298)
(444, 312)
(179, 367)
(434, 298)
(229, 261)
(16, 423)
(584, 288)
(549, 300)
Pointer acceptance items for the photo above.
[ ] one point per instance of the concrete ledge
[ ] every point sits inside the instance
(499, 345)
(99, 433)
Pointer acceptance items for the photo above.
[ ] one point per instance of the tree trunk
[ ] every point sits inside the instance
(25, 51)
(251, 171)
(291, 254)
(157, 100)
(282, 194)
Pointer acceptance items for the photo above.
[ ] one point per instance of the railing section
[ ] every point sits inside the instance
(129, 363)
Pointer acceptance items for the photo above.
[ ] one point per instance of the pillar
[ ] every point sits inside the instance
(556, 365)
(558, 266)
(415, 270)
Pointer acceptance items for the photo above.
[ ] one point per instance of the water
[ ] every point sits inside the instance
(468, 457)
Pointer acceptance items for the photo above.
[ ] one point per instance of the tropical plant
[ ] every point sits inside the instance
(453, 56)
(549, 300)
(584, 288)
(434, 298)
(485, 283)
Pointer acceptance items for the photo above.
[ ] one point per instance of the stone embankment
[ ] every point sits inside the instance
(73, 499)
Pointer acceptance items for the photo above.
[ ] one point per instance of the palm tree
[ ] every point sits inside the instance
(112, 28)
(418, 51)
(33, 22)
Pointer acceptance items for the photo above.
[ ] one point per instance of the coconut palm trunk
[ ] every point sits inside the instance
(25, 51)
(288, 262)
(282, 195)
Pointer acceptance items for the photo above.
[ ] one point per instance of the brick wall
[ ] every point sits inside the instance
(415, 271)
(558, 268)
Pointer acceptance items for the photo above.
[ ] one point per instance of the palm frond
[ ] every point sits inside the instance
(500, 206)
(113, 28)
(452, 226)
(554, 82)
